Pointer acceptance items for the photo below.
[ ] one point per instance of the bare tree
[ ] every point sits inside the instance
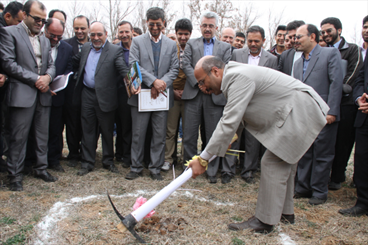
(75, 8)
(196, 9)
(224, 10)
(116, 12)
(274, 20)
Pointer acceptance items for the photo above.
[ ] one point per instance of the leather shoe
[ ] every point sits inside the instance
(334, 186)
(83, 171)
(248, 177)
(133, 175)
(254, 224)
(72, 163)
(125, 165)
(298, 195)
(213, 179)
(112, 168)
(288, 219)
(354, 211)
(57, 168)
(226, 178)
(15, 186)
(156, 176)
(316, 201)
(46, 176)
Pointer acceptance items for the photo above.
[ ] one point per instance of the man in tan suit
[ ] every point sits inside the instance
(281, 112)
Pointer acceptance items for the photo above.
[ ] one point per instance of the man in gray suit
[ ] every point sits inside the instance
(101, 68)
(26, 58)
(159, 65)
(201, 104)
(281, 112)
(254, 54)
(321, 69)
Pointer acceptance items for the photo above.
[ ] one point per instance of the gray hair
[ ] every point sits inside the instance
(210, 15)
(211, 62)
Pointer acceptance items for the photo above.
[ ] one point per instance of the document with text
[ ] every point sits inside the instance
(146, 103)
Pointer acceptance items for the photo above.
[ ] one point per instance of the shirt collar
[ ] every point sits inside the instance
(29, 31)
(310, 53)
(336, 45)
(100, 48)
(212, 40)
(363, 46)
(151, 37)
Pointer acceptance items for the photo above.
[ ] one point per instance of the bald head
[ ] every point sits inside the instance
(54, 31)
(98, 35)
(228, 35)
(208, 72)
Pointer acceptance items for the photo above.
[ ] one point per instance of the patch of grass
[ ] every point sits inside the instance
(19, 238)
(36, 218)
(57, 196)
(311, 224)
(237, 218)
(34, 194)
(7, 220)
(300, 206)
(237, 241)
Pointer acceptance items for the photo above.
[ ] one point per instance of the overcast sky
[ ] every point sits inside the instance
(351, 13)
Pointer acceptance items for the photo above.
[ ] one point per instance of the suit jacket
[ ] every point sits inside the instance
(110, 65)
(194, 51)
(63, 65)
(168, 68)
(324, 74)
(19, 62)
(286, 61)
(361, 86)
(281, 112)
(74, 43)
(266, 60)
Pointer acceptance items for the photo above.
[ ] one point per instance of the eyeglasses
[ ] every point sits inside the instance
(299, 36)
(38, 19)
(211, 26)
(52, 36)
(327, 31)
(100, 34)
(201, 82)
(150, 24)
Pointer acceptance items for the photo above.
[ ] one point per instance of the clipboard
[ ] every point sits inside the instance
(146, 103)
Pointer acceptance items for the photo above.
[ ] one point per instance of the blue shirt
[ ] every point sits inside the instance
(306, 61)
(91, 65)
(208, 47)
(336, 45)
(126, 54)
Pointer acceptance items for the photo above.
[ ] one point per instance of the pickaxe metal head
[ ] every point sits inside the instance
(129, 221)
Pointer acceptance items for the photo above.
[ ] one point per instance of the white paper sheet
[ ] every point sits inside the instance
(60, 82)
(152, 203)
(146, 103)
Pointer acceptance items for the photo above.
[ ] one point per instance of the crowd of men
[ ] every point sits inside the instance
(33, 52)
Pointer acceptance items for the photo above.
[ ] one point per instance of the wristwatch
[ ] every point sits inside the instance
(204, 163)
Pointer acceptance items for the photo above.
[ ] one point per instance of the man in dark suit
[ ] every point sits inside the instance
(62, 53)
(26, 56)
(290, 56)
(72, 113)
(321, 69)
(101, 64)
(199, 103)
(361, 146)
(253, 54)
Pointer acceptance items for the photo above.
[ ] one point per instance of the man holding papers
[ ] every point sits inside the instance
(158, 61)
(62, 54)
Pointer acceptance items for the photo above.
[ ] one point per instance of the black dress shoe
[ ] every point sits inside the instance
(213, 179)
(3, 166)
(316, 201)
(354, 211)
(112, 168)
(57, 168)
(254, 224)
(334, 186)
(298, 195)
(83, 171)
(288, 219)
(15, 186)
(46, 176)
(226, 178)
(133, 175)
(72, 163)
(156, 176)
(248, 177)
(125, 165)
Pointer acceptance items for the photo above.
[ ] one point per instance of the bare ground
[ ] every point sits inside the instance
(46, 213)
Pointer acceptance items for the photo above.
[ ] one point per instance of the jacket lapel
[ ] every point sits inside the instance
(59, 55)
(312, 62)
(103, 56)
(164, 45)
(245, 56)
(215, 47)
(148, 46)
(263, 59)
(200, 46)
(298, 70)
(44, 52)
(28, 42)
